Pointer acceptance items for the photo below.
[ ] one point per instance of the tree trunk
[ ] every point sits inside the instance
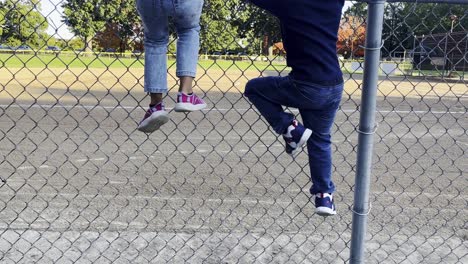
(88, 44)
(123, 44)
(265, 45)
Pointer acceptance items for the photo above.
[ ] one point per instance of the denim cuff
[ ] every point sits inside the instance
(186, 74)
(155, 90)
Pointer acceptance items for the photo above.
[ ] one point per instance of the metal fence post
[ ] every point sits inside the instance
(366, 128)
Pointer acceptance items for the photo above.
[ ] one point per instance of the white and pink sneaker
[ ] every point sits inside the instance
(188, 103)
(154, 118)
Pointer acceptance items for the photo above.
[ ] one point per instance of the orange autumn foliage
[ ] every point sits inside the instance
(351, 35)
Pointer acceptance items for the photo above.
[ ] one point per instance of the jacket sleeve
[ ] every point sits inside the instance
(273, 6)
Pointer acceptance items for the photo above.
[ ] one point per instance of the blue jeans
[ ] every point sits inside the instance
(155, 14)
(317, 106)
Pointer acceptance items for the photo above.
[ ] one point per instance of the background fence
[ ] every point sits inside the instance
(79, 184)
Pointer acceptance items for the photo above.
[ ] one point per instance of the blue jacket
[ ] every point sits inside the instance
(309, 30)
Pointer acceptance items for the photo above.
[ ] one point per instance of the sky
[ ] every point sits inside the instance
(52, 9)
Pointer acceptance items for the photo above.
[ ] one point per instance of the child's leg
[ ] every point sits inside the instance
(156, 98)
(187, 22)
(268, 95)
(317, 105)
(320, 158)
(320, 119)
(155, 22)
(319, 148)
(185, 84)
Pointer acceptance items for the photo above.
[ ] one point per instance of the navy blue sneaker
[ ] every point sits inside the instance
(296, 136)
(324, 204)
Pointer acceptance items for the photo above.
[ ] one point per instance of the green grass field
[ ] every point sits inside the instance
(110, 60)
(105, 60)
(10, 60)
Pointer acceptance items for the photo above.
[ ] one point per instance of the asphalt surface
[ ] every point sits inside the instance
(82, 185)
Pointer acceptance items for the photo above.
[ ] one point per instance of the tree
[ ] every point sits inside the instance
(403, 22)
(2, 19)
(263, 30)
(357, 9)
(237, 25)
(121, 26)
(22, 23)
(425, 19)
(109, 37)
(75, 44)
(351, 35)
(85, 18)
(128, 22)
(113, 21)
(406, 21)
(219, 28)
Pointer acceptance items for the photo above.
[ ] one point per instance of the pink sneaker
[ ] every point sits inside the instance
(154, 118)
(188, 103)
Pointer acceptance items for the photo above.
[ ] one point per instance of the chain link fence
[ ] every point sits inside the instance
(81, 185)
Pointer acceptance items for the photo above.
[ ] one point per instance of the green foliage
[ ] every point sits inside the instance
(226, 25)
(219, 32)
(237, 25)
(358, 9)
(122, 14)
(171, 48)
(87, 18)
(2, 19)
(404, 21)
(261, 29)
(22, 23)
(424, 19)
(52, 41)
(75, 43)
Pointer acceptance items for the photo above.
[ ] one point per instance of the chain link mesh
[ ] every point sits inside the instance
(79, 184)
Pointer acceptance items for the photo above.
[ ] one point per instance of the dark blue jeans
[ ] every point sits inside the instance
(317, 106)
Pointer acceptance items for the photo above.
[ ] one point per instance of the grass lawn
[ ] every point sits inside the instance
(109, 61)
(9, 60)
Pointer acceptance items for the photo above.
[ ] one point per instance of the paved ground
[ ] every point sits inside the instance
(215, 186)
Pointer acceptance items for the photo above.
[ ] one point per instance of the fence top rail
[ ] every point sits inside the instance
(418, 1)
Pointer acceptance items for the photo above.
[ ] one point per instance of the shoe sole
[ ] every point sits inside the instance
(188, 107)
(304, 138)
(154, 122)
(325, 211)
